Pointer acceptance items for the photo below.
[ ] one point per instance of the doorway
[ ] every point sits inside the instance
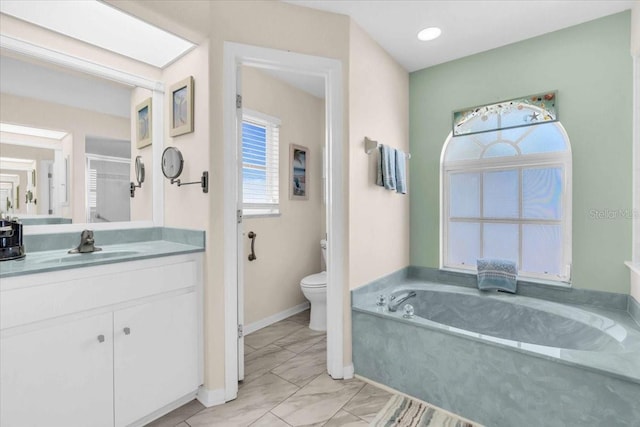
(330, 70)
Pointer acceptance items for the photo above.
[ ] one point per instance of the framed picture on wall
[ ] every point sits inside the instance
(182, 107)
(143, 123)
(299, 166)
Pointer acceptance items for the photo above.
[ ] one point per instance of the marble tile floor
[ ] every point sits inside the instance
(286, 384)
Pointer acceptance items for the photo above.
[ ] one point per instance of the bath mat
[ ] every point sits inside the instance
(401, 411)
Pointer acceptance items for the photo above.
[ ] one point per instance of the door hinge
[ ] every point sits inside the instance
(240, 332)
(238, 101)
(239, 216)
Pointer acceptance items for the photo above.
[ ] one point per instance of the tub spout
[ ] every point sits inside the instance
(396, 300)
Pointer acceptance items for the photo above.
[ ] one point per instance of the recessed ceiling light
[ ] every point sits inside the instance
(101, 25)
(25, 130)
(430, 33)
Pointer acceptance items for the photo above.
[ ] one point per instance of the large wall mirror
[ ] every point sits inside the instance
(68, 144)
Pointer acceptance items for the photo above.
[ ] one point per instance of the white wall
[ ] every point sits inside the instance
(79, 123)
(188, 206)
(287, 246)
(142, 202)
(291, 28)
(378, 218)
(268, 24)
(378, 109)
(280, 26)
(33, 153)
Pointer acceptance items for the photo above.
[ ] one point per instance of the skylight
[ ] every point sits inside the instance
(101, 25)
(25, 130)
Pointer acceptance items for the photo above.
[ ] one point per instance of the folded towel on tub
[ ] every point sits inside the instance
(497, 274)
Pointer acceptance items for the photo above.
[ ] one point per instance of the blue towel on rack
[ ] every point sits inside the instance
(379, 180)
(401, 172)
(387, 167)
(497, 274)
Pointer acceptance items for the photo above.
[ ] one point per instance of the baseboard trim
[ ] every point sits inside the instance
(348, 371)
(210, 398)
(164, 410)
(256, 326)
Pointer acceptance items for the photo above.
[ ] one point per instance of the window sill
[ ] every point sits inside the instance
(260, 215)
(521, 280)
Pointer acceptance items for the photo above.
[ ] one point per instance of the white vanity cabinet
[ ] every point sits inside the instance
(58, 375)
(153, 356)
(111, 345)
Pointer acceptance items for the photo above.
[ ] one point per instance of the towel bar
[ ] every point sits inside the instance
(370, 145)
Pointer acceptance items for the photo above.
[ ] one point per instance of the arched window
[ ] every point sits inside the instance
(506, 194)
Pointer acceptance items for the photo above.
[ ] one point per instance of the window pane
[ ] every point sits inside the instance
(254, 144)
(464, 191)
(542, 248)
(485, 138)
(542, 193)
(500, 149)
(514, 134)
(463, 148)
(260, 193)
(254, 184)
(544, 138)
(464, 243)
(500, 241)
(500, 191)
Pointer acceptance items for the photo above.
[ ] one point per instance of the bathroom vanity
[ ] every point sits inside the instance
(113, 341)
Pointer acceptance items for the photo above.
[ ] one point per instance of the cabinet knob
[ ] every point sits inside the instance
(101, 338)
(127, 331)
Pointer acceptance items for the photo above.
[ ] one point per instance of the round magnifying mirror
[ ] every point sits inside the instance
(172, 162)
(139, 170)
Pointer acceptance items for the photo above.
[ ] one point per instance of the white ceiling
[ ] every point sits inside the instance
(468, 26)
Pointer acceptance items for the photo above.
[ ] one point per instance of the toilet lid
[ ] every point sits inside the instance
(315, 280)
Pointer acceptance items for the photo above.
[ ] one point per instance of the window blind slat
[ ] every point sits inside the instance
(260, 166)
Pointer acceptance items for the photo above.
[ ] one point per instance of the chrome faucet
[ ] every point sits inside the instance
(86, 245)
(396, 300)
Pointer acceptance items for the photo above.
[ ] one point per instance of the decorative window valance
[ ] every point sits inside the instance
(525, 111)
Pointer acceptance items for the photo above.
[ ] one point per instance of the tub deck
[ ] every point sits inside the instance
(498, 381)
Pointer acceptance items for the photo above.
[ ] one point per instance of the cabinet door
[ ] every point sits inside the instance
(155, 356)
(58, 376)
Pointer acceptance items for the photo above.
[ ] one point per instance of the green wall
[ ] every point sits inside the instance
(591, 67)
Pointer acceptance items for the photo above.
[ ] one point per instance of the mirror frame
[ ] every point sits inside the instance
(157, 88)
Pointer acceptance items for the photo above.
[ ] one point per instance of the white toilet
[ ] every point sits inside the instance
(314, 288)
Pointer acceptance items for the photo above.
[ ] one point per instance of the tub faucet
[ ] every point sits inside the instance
(86, 245)
(396, 300)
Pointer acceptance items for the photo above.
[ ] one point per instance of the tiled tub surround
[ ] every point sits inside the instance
(48, 252)
(502, 360)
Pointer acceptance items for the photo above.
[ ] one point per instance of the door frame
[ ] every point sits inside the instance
(235, 56)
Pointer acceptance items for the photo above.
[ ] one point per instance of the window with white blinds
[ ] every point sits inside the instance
(260, 164)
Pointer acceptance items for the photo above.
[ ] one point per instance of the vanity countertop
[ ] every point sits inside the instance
(60, 259)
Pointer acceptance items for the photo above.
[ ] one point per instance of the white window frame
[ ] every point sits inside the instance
(519, 162)
(272, 164)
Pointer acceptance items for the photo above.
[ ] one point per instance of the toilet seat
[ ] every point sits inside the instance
(317, 280)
